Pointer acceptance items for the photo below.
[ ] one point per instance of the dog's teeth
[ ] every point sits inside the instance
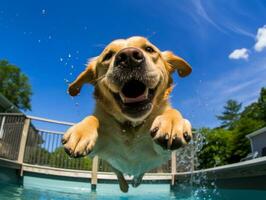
(146, 93)
(122, 97)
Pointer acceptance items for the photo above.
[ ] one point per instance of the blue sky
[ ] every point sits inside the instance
(224, 41)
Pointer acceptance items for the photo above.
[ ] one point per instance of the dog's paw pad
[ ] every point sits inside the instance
(171, 134)
(187, 137)
(79, 141)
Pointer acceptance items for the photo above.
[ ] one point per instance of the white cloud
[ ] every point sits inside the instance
(239, 54)
(260, 44)
(260, 39)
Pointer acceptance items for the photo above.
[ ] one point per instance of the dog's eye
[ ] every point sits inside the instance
(149, 49)
(108, 56)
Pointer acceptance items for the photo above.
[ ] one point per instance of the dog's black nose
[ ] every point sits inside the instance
(129, 57)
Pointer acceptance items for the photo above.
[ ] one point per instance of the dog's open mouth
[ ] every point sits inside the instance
(135, 98)
(133, 91)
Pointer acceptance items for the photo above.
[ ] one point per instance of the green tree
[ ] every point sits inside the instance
(262, 105)
(217, 149)
(230, 114)
(14, 85)
(59, 158)
(240, 144)
(257, 110)
(228, 143)
(251, 119)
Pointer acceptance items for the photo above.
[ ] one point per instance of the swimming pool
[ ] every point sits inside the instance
(43, 181)
(144, 192)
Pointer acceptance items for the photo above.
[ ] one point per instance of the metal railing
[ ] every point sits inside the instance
(46, 150)
(22, 140)
(10, 135)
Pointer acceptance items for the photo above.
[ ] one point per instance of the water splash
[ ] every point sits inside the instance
(197, 187)
(66, 81)
(69, 61)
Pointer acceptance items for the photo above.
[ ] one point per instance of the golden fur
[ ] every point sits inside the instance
(131, 145)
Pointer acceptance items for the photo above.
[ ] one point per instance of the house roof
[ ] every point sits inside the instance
(258, 132)
(7, 106)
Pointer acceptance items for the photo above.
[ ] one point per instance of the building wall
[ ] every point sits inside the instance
(258, 143)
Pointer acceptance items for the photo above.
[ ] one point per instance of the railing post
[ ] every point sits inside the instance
(23, 140)
(94, 173)
(173, 167)
(2, 127)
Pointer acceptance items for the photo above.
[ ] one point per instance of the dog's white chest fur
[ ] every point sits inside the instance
(130, 153)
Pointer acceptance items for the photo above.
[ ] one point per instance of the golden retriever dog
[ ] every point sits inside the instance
(133, 128)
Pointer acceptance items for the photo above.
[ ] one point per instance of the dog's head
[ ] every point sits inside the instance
(131, 76)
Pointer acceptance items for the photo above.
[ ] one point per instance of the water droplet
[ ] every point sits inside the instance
(43, 12)
(61, 59)
(69, 55)
(39, 41)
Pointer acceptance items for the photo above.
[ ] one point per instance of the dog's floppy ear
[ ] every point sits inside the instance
(177, 63)
(87, 76)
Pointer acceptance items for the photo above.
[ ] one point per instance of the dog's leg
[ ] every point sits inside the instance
(136, 181)
(80, 139)
(170, 130)
(121, 180)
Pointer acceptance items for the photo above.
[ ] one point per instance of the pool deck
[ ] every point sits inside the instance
(249, 174)
(82, 174)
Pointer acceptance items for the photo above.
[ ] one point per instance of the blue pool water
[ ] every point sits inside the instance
(111, 192)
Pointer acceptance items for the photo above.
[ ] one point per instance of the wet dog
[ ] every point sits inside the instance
(133, 128)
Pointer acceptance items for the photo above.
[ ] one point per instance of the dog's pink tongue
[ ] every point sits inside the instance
(136, 99)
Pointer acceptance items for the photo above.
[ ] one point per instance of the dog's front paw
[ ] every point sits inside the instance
(80, 139)
(171, 132)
